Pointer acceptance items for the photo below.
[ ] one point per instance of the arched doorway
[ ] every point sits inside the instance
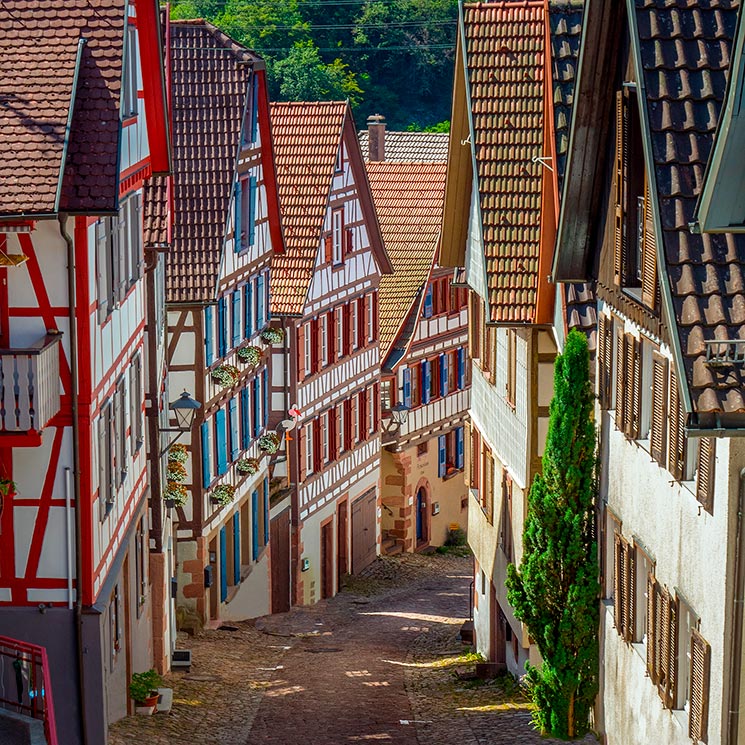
(422, 521)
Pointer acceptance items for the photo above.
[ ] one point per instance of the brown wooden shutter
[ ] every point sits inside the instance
(348, 439)
(620, 377)
(472, 326)
(672, 660)
(468, 453)
(375, 315)
(347, 329)
(362, 321)
(652, 630)
(603, 371)
(635, 368)
(705, 481)
(699, 690)
(664, 645)
(628, 632)
(376, 407)
(677, 439)
(317, 454)
(618, 262)
(302, 464)
(649, 253)
(348, 241)
(489, 486)
(301, 371)
(338, 417)
(659, 409)
(628, 384)
(327, 249)
(618, 570)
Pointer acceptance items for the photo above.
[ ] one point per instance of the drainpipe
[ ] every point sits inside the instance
(738, 598)
(71, 292)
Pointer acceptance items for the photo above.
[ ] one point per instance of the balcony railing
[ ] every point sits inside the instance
(26, 687)
(29, 385)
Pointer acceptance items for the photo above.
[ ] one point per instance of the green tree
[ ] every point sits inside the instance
(303, 76)
(555, 591)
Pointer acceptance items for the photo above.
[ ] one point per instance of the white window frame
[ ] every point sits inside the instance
(309, 460)
(371, 317)
(324, 340)
(339, 322)
(341, 422)
(325, 449)
(337, 236)
(355, 325)
(307, 349)
(370, 414)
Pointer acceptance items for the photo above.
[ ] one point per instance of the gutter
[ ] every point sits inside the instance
(738, 598)
(667, 298)
(71, 290)
(68, 125)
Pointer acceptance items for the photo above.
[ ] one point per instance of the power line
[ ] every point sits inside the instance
(262, 50)
(346, 26)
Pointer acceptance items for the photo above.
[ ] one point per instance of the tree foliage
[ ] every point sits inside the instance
(555, 591)
(393, 57)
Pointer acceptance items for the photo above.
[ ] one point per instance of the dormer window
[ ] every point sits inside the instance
(129, 75)
(251, 119)
(635, 257)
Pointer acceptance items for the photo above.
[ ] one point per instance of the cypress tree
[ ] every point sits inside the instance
(555, 591)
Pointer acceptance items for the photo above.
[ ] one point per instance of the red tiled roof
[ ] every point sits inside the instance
(504, 49)
(409, 200)
(209, 85)
(306, 141)
(38, 53)
(685, 51)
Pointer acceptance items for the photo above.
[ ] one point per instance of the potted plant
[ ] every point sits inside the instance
(269, 442)
(177, 472)
(143, 688)
(177, 454)
(226, 375)
(223, 494)
(248, 465)
(273, 335)
(7, 487)
(175, 494)
(250, 355)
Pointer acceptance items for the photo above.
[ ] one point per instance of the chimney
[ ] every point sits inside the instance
(376, 138)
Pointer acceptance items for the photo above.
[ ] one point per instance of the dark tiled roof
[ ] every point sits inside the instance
(685, 56)
(306, 141)
(408, 199)
(210, 80)
(38, 52)
(155, 212)
(431, 147)
(504, 47)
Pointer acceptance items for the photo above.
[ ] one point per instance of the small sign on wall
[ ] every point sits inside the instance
(435, 508)
(305, 565)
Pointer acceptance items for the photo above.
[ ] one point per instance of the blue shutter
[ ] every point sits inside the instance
(255, 111)
(266, 510)
(248, 308)
(206, 445)
(426, 381)
(223, 565)
(236, 318)
(441, 456)
(257, 405)
(255, 525)
(209, 329)
(265, 386)
(459, 447)
(237, 240)
(221, 437)
(245, 418)
(444, 375)
(428, 302)
(267, 297)
(260, 320)
(461, 353)
(236, 549)
(407, 387)
(252, 206)
(233, 419)
(222, 327)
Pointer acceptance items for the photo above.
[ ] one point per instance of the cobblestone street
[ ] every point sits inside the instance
(382, 662)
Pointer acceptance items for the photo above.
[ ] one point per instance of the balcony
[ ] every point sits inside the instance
(29, 386)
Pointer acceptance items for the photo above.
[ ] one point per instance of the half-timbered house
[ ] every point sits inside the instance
(82, 126)
(327, 374)
(225, 227)
(669, 368)
(423, 340)
(499, 222)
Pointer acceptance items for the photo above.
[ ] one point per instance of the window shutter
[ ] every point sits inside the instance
(348, 424)
(328, 249)
(206, 446)
(348, 241)
(672, 660)
(222, 328)
(375, 316)
(255, 110)
(121, 252)
(252, 207)
(604, 373)
(705, 482)
(407, 387)
(620, 377)
(490, 353)
(209, 351)
(649, 253)
(256, 406)
(459, 454)
(621, 129)
(461, 358)
(236, 548)
(364, 302)
(302, 463)
(315, 356)
(376, 407)
(236, 318)
(629, 605)
(677, 440)
(361, 325)
(301, 371)
(223, 564)
(699, 690)
(254, 524)
(245, 418)
(248, 306)
(317, 453)
(468, 455)
(635, 368)
(261, 316)
(233, 421)
(266, 510)
(265, 396)
(426, 381)
(618, 569)
(473, 325)
(238, 228)
(659, 408)
(428, 302)
(444, 372)
(331, 336)
(221, 440)
(652, 629)
(338, 418)
(488, 495)
(441, 456)
(663, 657)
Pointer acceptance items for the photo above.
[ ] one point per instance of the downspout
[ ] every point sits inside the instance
(738, 598)
(71, 290)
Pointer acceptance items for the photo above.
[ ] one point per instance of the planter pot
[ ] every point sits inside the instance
(147, 707)
(147, 711)
(170, 503)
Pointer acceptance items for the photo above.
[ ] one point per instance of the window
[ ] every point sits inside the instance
(342, 426)
(339, 326)
(330, 320)
(434, 379)
(415, 376)
(105, 460)
(362, 416)
(325, 431)
(422, 449)
(406, 377)
(246, 207)
(452, 368)
(337, 236)
(371, 410)
(427, 308)
(137, 437)
(506, 518)
(251, 119)
(354, 323)
(248, 309)
(475, 324)
(129, 75)
(387, 394)
(678, 460)
(607, 557)
(362, 322)
(511, 383)
(309, 454)
(662, 628)
(628, 384)
(489, 352)
(120, 432)
(643, 567)
(324, 323)
(140, 565)
(339, 165)
(307, 349)
(261, 307)
(371, 335)
(698, 708)
(115, 626)
(623, 590)
(705, 476)
(487, 489)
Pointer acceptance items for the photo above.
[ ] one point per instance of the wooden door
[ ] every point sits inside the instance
(327, 559)
(364, 542)
(422, 518)
(279, 541)
(497, 652)
(214, 606)
(342, 541)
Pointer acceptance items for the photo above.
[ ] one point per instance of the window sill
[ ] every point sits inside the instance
(451, 473)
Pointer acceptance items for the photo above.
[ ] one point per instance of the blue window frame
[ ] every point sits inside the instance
(222, 326)
(407, 387)
(248, 309)
(238, 227)
(255, 524)
(265, 398)
(257, 406)
(426, 381)
(252, 206)
(260, 320)
(444, 371)
(223, 564)
(459, 447)
(441, 456)
(236, 318)
(428, 302)
(245, 418)
(267, 297)
(266, 510)
(236, 548)
(235, 445)
(461, 356)
(206, 454)
(209, 330)
(221, 440)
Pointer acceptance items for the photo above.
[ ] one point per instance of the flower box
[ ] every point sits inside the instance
(249, 355)
(226, 375)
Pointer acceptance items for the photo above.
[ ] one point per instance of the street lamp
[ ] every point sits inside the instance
(399, 415)
(185, 408)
